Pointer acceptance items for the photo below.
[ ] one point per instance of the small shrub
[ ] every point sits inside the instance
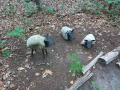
(18, 31)
(50, 10)
(76, 64)
(6, 52)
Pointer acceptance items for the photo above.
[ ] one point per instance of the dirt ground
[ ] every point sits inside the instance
(29, 77)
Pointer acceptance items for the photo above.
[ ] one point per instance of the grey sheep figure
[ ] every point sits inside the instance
(39, 42)
(67, 33)
(88, 41)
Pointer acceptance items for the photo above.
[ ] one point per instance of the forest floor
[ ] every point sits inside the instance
(19, 71)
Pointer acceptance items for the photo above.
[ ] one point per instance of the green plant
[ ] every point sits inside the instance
(93, 82)
(18, 31)
(10, 8)
(2, 43)
(98, 87)
(29, 7)
(50, 10)
(6, 52)
(76, 64)
(60, 88)
(112, 23)
(49, 64)
(29, 22)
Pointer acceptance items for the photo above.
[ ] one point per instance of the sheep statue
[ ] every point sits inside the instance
(67, 33)
(88, 41)
(39, 42)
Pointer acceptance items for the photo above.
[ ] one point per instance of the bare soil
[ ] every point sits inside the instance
(107, 38)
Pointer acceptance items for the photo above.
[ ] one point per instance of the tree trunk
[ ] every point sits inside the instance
(110, 6)
(107, 58)
(38, 5)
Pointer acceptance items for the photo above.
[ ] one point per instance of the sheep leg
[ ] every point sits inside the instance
(35, 50)
(46, 51)
(32, 52)
(43, 53)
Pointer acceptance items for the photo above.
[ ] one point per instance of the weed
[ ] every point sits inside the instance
(29, 22)
(60, 88)
(112, 23)
(18, 31)
(29, 7)
(93, 82)
(76, 65)
(6, 52)
(2, 45)
(23, 82)
(98, 87)
(50, 10)
(49, 64)
(103, 48)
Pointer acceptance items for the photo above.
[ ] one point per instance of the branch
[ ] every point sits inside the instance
(61, 16)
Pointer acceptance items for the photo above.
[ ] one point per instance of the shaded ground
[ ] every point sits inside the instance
(107, 38)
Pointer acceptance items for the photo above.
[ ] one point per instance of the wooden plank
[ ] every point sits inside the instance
(93, 62)
(80, 81)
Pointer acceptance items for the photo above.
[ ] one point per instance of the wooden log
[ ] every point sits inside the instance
(93, 62)
(107, 58)
(80, 81)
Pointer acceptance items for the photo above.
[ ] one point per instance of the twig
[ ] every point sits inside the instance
(62, 7)
(69, 14)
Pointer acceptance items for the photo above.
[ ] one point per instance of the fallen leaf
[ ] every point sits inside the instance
(26, 60)
(41, 69)
(46, 73)
(12, 85)
(21, 68)
(71, 82)
(3, 89)
(89, 57)
(1, 82)
(37, 74)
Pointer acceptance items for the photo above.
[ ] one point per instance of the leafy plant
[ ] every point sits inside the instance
(2, 43)
(50, 10)
(29, 22)
(93, 82)
(112, 23)
(98, 87)
(10, 8)
(60, 88)
(76, 64)
(29, 7)
(18, 31)
(6, 52)
(49, 64)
